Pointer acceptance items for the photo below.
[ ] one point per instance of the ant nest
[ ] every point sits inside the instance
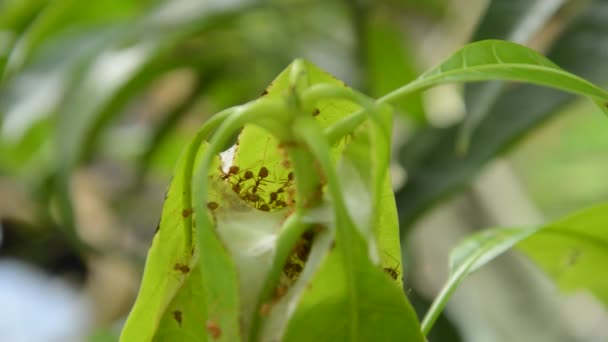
(258, 190)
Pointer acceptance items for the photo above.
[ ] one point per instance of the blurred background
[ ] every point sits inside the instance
(98, 98)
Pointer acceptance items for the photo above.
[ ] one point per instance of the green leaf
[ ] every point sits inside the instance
(169, 298)
(256, 149)
(348, 299)
(517, 21)
(571, 251)
(474, 252)
(435, 170)
(323, 312)
(501, 60)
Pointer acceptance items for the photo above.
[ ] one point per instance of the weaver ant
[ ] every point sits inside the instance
(393, 271)
(252, 187)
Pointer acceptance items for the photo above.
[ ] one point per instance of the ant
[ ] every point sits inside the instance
(393, 271)
(274, 196)
(262, 175)
(237, 185)
(233, 170)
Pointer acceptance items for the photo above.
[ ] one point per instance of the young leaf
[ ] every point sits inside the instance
(500, 60)
(256, 149)
(468, 256)
(568, 250)
(435, 170)
(572, 250)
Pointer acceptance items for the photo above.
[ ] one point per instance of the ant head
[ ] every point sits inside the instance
(248, 174)
(290, 176)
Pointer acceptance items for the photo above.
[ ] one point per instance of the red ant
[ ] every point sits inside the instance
(262, 175)
(274, 196)
(233, 170)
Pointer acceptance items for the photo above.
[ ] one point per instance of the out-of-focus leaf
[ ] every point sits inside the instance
(390, 64)
(517, 21)
(569, 250)
(433, 7)
(435, 169)
(64, 15)
(15, 16)
(572, 250)
(467, 257)
(107, 85)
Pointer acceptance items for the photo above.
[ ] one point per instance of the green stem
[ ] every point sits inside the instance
(310, 133)
(447, 291)
(191, 153)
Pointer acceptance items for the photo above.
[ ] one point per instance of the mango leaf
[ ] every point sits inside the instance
(257, 149)
(434, 168)
(243, 240)
(472, 253)
(569, 250)
(501, 60)
(169, 298)
(572, 250)
(362, 302)
(324, 312)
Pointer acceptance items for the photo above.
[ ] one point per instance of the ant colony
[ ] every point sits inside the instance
(258, 189)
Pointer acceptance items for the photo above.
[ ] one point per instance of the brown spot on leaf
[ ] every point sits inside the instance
(265, 309)
(316, 112)
(214, 330)
(186, 212)
(264, 93)
(177, 316)
(183, 268)
(212, 205)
